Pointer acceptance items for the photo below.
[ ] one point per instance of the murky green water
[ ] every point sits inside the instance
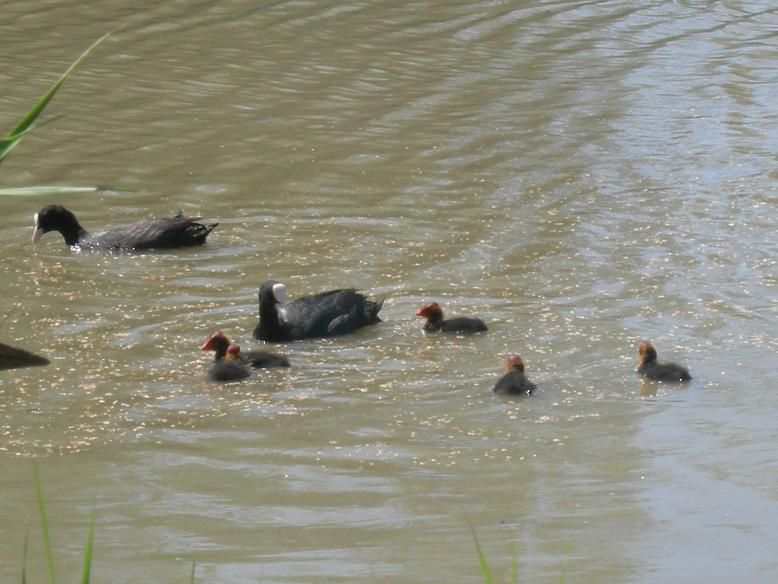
(583, 176)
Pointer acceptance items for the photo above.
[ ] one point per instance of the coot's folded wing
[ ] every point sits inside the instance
(313, 316)
(167, 232)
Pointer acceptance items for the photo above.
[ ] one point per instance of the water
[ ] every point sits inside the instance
(583, 176)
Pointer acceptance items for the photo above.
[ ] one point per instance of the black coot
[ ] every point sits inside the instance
(13, 358)
(649, 368)
(230, 367)
(514, 382)
(336, 312)
(175, 231)
(461, 325)
(219, 343)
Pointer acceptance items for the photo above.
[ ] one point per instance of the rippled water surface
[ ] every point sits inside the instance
(581, 175)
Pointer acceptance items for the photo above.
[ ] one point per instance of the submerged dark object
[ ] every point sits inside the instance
(229, 367)
(650, 368)
(13, 358)
(167, 232)
(460, 325)
(328, 314)
(514, 382)
(220, 344)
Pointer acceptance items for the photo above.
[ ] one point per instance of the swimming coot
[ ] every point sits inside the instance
(13, 358)
(175, 231)
(219, 343)
(514, 382)
(230, 367)
(649, 368)
(336, 312)
(461, 325)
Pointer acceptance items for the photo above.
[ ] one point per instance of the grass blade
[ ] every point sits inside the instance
(59, 190)
(87, 567)
(24, 559)
(515, 566)
(44, 523)
(191, 576)
(485, 569)
(562, 575)
(25, 124)
(37, 108)
(44, 190)
(9, 143)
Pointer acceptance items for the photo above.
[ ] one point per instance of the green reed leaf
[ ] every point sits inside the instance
(39, 105)
(59, 190)
(44, 190)
(25, 124)
(9, 143)
(515, 565)
(44, 523)
(87, 565)
(24, 559)
(485, 569)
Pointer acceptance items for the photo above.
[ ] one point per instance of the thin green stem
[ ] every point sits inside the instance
(485, 569)
(24, 559)
(36, 109)
(44, 523)
(24, 125)
(87, 566)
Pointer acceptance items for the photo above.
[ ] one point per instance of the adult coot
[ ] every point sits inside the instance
(514, 382)
(219, 343)
(649, 368)
(175, 231)
(336, 312)
(13, 358)
(460, 325)
(230, 367)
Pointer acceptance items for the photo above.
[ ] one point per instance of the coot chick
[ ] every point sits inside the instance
(13, 358)
(230, 367)
(460, 325)
(514, 382)
(167, 232)
(328, 314)
(649, 368)
(219, 343)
